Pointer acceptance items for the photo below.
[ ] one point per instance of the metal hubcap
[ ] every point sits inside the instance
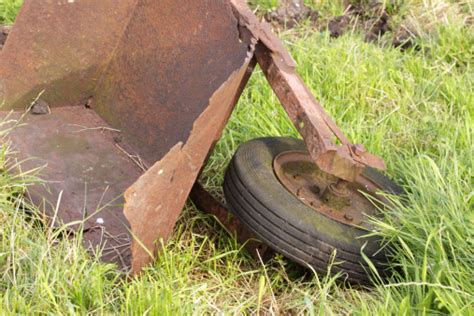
(347, 203)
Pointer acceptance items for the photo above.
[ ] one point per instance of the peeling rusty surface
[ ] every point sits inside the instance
(155, 201)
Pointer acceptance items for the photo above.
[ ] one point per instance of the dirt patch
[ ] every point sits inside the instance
(4, 31)
(405, 39)
(371, 18)
(374, 20)
(291, 13)
(339, 25)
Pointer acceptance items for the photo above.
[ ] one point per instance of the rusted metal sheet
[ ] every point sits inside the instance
(61, 47)
(78, 155)
(170, 61)
(154, 202)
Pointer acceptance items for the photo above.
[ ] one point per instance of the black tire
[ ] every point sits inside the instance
(278, 218)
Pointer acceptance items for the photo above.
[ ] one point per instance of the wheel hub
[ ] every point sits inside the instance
(347, 203)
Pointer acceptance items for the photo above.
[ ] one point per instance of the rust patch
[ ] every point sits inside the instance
(154, 202)
(318, 130)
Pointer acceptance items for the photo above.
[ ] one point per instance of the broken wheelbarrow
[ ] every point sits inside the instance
(121, 102)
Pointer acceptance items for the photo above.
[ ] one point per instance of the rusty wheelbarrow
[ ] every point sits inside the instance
(121, 103)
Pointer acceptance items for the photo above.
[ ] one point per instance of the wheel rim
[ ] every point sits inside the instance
(350, 203)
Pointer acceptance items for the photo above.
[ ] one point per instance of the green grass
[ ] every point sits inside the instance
(9, 10)
(414, 108)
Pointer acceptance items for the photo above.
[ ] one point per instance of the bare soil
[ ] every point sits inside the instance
(291, 13)
(4, 31)
(371, 17)
(374, 20)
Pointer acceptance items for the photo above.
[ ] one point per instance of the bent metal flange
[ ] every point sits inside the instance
(138, 92)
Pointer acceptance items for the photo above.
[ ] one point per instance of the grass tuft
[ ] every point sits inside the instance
(8, 10)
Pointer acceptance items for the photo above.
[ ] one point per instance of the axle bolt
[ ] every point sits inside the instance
(348, 217)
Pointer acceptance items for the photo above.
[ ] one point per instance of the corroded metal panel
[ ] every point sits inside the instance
(171, 60)
(61, 47)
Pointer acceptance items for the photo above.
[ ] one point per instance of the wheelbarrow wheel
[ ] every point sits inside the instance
(278, 217)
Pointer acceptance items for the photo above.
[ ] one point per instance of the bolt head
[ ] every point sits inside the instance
(348, 217)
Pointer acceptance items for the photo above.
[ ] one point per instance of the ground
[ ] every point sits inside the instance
(412, 105)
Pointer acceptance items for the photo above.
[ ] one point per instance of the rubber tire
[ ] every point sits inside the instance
(279, 219)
